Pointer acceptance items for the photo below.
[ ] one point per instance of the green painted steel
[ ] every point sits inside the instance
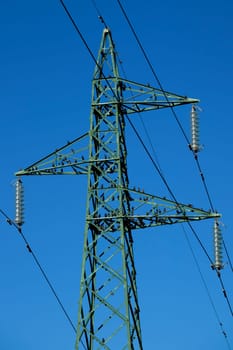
(67, 160)
(109, 313)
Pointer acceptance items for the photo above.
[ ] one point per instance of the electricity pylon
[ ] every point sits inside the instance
(108, 314)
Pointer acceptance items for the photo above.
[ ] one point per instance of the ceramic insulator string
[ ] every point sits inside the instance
(19, 203)
(218, 241)
(195, 145)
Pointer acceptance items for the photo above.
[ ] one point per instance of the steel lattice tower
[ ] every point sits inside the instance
(108, 315)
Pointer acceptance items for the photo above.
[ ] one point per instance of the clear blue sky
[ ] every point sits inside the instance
(45, 94)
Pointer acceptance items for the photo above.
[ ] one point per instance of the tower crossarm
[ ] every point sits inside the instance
(147, 210)
(138, 97)
(70, 159)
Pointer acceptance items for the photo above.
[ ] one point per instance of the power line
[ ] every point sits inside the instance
(188, 223)
(211, 204)
(173, 112)
(224, 291)
(78, 31)
(42, 270)
(203, 180)
(11, 222)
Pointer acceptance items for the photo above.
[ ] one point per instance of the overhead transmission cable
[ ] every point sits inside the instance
(194, 153)
(188, 223)
(41, 269)
(143, 144)
(174, 114)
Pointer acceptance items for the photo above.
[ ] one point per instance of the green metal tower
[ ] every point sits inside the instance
(109, 312)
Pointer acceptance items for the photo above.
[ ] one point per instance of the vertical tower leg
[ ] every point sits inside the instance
(108, 315)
